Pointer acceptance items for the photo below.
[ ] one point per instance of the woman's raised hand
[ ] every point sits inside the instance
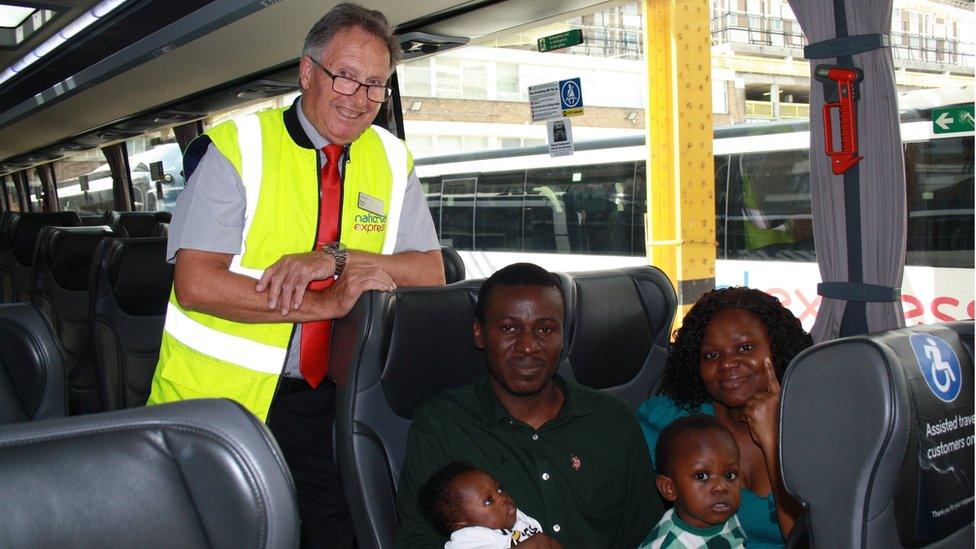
(762, 411)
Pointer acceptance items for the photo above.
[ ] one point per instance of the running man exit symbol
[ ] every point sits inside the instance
(953, 119)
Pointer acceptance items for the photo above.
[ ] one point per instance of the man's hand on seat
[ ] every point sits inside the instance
(287, 279)
(354, 280)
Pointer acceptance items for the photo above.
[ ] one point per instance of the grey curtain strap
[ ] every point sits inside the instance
(858, 291)
(846, 45)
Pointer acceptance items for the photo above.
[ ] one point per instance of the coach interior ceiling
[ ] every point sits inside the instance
(262, 41)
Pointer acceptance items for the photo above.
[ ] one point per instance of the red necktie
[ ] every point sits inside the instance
(314, 359)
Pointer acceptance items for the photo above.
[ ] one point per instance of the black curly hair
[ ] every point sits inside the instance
(668, 448)
(439, 501)
(682, 378)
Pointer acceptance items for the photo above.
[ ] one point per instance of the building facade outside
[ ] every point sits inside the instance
(475, 98)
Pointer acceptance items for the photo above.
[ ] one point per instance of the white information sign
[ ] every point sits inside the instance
(544, 101)
(560, 137)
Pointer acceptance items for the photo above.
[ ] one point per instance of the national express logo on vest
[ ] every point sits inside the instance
(369, 223)
(939, 365)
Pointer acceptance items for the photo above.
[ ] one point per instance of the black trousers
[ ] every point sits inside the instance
(301, 420)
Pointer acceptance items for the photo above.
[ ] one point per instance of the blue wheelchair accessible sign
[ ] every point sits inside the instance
(939, 365)
(571, 96)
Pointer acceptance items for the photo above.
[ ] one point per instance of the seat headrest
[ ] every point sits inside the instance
(138, 274)
(423, 320)
(137, 224)
(876, 437)
(68, 252)
(26, 226)
(453, 265)
(197, 473)
(612, 326)
(31, 366)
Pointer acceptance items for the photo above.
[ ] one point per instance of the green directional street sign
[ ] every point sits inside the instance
(953, 119)
(562, 40)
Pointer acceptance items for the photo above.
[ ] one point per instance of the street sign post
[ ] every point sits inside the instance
(566, 39)
(953, 119)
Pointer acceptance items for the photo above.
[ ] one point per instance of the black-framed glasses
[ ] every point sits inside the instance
(348, 86)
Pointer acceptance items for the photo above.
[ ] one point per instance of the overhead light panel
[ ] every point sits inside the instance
(13, 16)
(41, 17)
(18, 22)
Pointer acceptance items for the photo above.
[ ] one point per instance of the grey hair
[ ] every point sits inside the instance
(348, 15)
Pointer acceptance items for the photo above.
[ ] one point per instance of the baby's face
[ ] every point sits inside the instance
(706, 479)
(483, 502)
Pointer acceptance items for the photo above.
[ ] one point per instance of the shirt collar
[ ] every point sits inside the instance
(575, 402)
(302, 131)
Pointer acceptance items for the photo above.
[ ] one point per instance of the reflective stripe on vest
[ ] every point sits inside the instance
(397, 157)
(249, 139)
(227, 347)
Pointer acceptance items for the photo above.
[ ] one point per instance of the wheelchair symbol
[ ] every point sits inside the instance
(942, 374)
(939, 366)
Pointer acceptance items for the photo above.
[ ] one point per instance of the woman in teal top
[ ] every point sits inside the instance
(726, 361)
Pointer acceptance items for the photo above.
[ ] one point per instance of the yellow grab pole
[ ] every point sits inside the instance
(680, 174)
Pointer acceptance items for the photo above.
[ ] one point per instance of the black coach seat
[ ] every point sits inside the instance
(453, 265)
(876, 438)
(92, 219)
(138, 224)
(62, 271)
(6, 243)
(398, 349)
(17, 253)
(31, 370)
(199, 473)
(130, 289)
(620, 329)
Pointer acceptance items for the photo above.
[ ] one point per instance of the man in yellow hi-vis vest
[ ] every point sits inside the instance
(278, 205)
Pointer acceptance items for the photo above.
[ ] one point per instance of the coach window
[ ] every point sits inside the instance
(939, 176)
(84, 182)
(457, 212)
(156, 168)
(10, 193)
(590, 209)
(768, 213)
(35, 190)
(499, 208)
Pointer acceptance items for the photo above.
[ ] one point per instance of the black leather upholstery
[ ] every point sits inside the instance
(92, 220)
(6, 243)
(61, 274)
(855, 445)
(130, 289)
(620, 329)
(453, 264)
(138, 224)
(395, 350)
(31, 370)
(17, 254)
(192, 474)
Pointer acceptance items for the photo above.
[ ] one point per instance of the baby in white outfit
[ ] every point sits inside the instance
(468, 505)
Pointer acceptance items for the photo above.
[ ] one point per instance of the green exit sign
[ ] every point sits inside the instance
(953, 119)
(562, 40)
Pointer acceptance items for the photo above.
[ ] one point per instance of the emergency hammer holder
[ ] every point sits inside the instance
(840, 93)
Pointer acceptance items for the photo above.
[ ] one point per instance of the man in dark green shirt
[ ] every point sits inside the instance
(572, 458)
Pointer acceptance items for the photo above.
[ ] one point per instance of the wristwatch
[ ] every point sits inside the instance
(338, 251)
